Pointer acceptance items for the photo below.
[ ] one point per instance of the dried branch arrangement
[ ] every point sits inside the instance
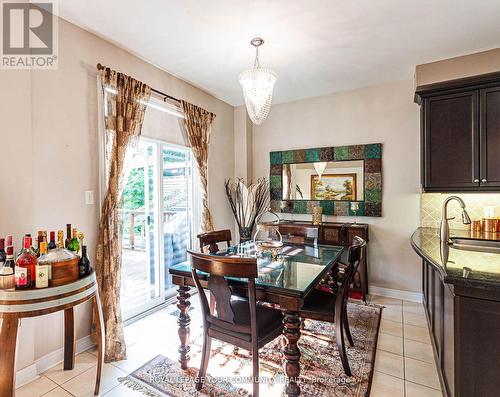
(247, 202)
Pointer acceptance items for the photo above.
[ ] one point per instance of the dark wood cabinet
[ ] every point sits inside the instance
(460, 132)
(490, 137)
(331, 233)
(464, 324)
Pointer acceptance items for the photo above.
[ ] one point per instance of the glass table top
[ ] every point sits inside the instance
(297, 269)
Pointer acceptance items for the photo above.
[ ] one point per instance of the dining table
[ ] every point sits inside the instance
(284, 281)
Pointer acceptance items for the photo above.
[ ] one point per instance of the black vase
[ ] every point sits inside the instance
(245, 234)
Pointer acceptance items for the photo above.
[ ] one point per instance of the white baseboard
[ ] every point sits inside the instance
(31, 372)
(396, 293)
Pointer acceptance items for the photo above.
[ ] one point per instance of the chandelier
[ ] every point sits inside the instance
(258, 84)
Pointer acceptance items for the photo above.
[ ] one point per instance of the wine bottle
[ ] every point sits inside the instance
(3, 255)
(74, 245)
(7, 276)
(39, 240)
(42, 268)
(60, 239)
(68, 235)
(25, 266)
(84, 264)
(52, 244)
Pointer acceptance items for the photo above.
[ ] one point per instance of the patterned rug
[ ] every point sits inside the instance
(229, 371)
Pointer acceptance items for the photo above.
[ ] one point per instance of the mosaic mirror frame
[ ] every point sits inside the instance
(370, 206)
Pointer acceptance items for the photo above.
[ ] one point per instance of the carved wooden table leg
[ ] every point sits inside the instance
(291, 351)
(184, 320)
(96, 305)
(8, 338)
(69, 339)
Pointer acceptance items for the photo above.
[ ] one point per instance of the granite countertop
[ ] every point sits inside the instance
(482, 269)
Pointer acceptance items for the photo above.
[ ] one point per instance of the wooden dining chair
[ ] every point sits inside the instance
(331, 306)
(238, 320)
(211, 240)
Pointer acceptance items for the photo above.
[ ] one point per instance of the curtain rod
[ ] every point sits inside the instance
(100, 67)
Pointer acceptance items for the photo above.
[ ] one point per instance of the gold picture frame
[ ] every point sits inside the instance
(338, 187)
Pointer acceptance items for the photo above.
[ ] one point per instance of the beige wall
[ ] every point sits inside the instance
(383, 114)
(456, 68)
(50, 153)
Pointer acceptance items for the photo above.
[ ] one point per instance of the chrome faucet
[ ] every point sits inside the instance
(444, 233)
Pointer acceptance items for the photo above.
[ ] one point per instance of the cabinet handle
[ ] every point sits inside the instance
(484, 180)
(476, 180)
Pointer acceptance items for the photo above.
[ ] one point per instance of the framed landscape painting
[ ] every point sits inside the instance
(333, 187)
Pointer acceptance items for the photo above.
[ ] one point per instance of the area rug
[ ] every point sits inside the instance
(230, 370)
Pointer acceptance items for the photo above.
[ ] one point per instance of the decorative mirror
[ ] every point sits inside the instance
(343, 180)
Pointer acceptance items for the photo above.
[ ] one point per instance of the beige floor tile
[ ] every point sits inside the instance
(123, 391)
(391, 328)
(413, 307)
(419, 334)
(140, 353)
(389, 363)
(422, 373)
(36, 388)
(384, 385)
(58, 392)
(414, 390)
(383, 300)
(390, 343)
(392, 314)
(83, 384)
(83, 362)
(388, 303)
(93, 351)
(415, 319)
(418, 351)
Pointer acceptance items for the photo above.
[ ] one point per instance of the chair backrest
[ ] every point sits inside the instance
(211, 239)
(356, 252)
(218, 268)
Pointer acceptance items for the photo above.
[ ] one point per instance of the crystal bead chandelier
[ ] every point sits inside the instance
(258, 84)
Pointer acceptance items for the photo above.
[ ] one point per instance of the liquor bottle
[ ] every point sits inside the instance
(39, 240)
(3, 256)
(7, 275)
(8, 241)
(52, 244)
(25, 266)
(68, 235)
(84, 264)
(60, 239)
(74, 245)
(42, 268)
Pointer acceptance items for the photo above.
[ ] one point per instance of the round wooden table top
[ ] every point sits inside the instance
(38, 302)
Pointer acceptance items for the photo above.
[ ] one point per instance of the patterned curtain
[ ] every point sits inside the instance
(124, 113)
(198, 124)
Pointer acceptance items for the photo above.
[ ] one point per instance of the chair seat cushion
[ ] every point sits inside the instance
(320, 303)
(269, 321)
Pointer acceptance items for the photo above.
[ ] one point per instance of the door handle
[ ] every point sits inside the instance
(484, 180)
(476, 180)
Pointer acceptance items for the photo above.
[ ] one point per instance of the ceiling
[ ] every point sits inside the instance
(316, 46)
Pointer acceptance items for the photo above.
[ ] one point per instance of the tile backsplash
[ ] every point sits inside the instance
(431, 203)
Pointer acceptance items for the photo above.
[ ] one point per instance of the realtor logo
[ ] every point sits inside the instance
(29, 35)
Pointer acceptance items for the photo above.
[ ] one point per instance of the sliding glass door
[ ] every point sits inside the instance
(158, 216)
(141, 270)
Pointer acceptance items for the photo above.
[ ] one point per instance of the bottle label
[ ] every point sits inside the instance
(6, 271)
(42, 276)
(21, 276)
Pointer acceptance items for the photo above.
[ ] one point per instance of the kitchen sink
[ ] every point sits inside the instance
(475, 245)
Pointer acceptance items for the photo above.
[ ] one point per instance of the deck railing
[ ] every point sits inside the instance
(141, 218)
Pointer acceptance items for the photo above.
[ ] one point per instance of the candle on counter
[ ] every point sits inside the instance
(489, 211)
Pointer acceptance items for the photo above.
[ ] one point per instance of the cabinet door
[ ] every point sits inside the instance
(490, 137)
(451, 142)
